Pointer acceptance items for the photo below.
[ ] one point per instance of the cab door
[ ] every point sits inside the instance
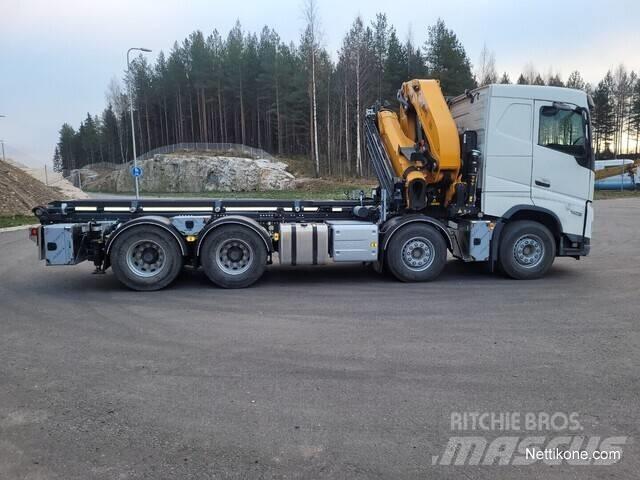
(562, 179)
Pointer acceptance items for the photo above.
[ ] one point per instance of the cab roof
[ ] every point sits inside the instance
(532, 92)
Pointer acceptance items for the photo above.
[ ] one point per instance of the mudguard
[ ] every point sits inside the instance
(237, 220)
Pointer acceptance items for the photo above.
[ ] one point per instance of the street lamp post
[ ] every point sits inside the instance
(133, 129)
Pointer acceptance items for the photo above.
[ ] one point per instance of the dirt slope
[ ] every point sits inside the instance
(20, 192)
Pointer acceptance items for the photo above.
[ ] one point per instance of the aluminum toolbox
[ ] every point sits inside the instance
(353, 241)
(62, 244)
(304, 243)
(472, 239)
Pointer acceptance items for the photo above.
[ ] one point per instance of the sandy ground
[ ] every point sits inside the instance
(55, 179)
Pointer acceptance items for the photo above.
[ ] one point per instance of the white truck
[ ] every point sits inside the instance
(502, 174)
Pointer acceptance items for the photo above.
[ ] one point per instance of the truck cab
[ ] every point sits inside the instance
(538, 162)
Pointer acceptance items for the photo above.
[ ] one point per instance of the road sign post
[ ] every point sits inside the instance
(136, 173)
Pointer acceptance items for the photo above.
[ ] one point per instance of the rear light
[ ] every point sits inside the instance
(33, 234)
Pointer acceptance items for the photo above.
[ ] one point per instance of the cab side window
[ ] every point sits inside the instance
(562, 130)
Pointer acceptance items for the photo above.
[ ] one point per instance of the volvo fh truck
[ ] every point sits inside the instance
(502, 174)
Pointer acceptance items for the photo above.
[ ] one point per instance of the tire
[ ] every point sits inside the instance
(233, 256)
(146, 258)
(527, 250)
(416, 253)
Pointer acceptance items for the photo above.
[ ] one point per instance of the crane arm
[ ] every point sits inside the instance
(422, 144)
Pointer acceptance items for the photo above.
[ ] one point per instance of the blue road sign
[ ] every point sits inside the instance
(136, 171)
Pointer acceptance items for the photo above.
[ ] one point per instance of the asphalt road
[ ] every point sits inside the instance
(326, 372)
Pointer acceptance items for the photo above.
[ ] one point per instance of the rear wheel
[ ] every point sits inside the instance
(416, 253)
(146, 258)
(527, 250)
(233, 256)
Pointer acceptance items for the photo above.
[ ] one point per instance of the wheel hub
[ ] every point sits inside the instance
(150, 255)
(234, 256)
(418, 253)
(146, 258)
(528, 251)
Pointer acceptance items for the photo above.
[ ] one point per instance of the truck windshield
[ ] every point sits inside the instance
(563, 130)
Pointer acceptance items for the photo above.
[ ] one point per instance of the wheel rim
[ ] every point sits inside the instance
(234, 256)
(418, 253)
(528, 251)
(146, 258)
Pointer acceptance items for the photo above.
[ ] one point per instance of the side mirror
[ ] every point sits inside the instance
(549, 111)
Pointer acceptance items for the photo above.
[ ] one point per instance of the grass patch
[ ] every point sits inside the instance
(609, 194)
(17, 220)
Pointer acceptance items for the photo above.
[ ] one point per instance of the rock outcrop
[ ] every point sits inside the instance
(197, 173)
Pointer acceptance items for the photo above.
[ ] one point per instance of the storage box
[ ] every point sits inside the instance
(62, 244)
(353, 241)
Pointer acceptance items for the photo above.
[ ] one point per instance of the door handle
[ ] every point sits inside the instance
(543, 183)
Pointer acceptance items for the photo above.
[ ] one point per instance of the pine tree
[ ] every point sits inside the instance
(394, 71)
(67, 147)
(575, 81)
(57, 160)
(522, 80)
(447, 60)
(603, 115)
(555, 81)
(108, 134)
(635, 114)
(381, 34)
(505, 79)
(311, 43)
(538, 80)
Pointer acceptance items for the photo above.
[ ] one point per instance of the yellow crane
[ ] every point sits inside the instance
(422, 145)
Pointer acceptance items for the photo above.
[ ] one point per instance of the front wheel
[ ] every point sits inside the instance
(416, 253)
(527, 250)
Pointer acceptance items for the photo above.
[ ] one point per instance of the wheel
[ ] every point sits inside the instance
(146, 258)
(416, 253)
(233, 256)
(527, 250)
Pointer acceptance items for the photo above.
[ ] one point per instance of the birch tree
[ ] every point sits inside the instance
(312, 36)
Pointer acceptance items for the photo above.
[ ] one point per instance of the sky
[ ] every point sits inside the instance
(57, 57)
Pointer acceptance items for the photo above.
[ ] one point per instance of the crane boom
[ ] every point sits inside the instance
(423, 145)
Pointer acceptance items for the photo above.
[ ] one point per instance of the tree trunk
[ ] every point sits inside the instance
(146, 111)
(258, 120)
(340, 127)
(242, 122)
(193, 135)
(140, 137)
(220, 123)
(166, 120)
(204, 115)
(358, 149)
(346, 127)
(328, 120)
(315, 111)
(180, 118)
(278, 124)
